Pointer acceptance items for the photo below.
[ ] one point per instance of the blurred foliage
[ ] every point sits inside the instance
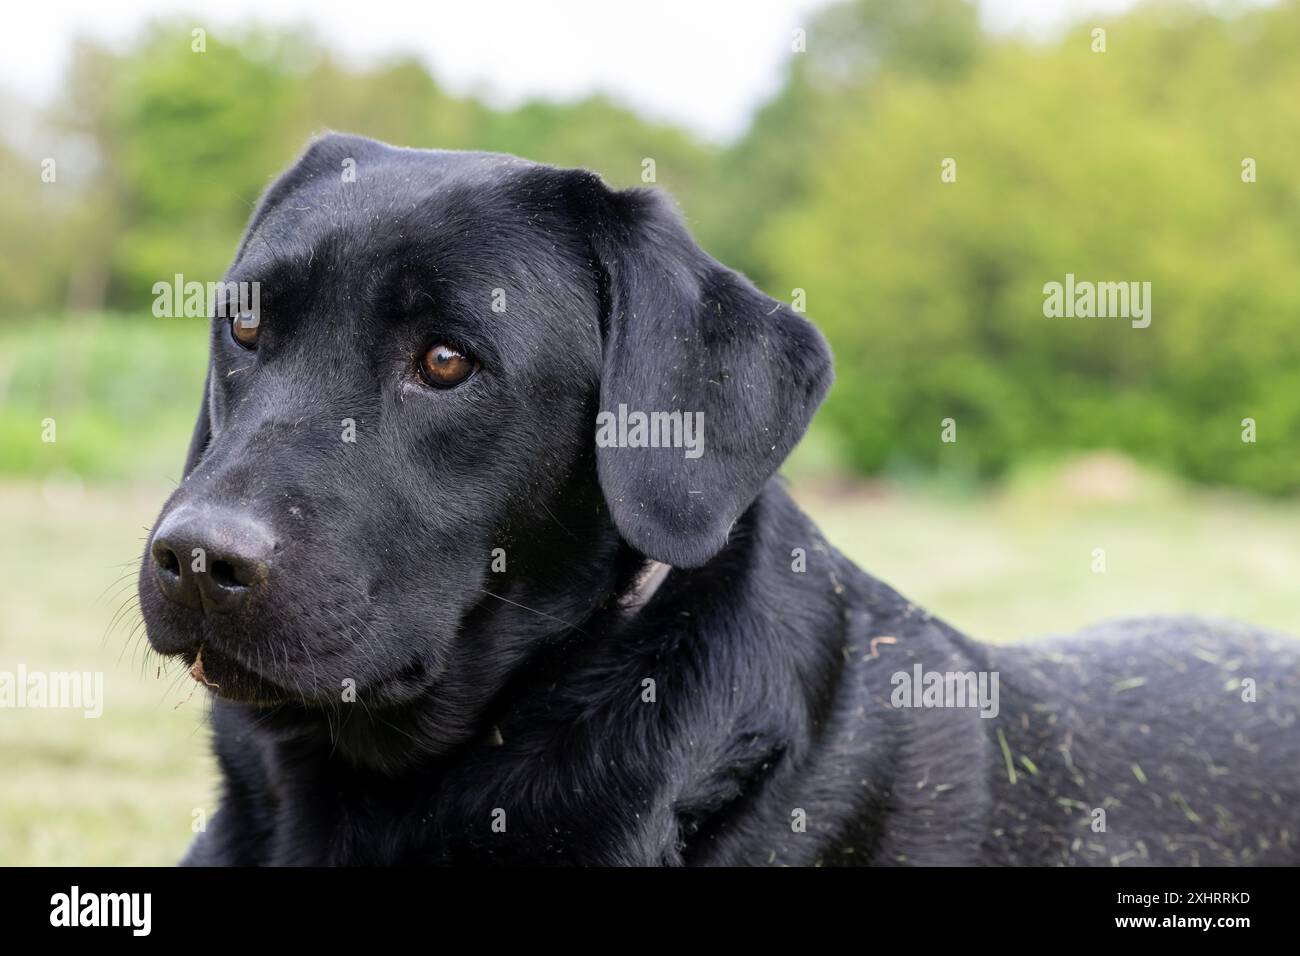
(1115, 166)
(1123, 165)
(122, 394)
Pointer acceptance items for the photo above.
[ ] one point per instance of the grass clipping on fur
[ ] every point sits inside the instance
(196, 671)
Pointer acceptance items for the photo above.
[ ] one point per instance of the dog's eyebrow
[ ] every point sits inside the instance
(260, 272)
(266, 259)
(274, 270)
(449, 316)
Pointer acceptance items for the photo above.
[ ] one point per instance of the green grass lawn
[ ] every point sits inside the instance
(1019, 562)
(123, 789)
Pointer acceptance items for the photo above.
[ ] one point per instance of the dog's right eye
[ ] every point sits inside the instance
(243, 329)
(445, 367)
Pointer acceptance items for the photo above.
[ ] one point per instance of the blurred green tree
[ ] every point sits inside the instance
(1123, 165)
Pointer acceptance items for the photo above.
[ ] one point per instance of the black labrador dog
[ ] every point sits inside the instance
(482, 557)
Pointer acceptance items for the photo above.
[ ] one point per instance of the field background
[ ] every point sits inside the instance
(1169, 157)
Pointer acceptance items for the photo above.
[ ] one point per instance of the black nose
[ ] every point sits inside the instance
(211, 559)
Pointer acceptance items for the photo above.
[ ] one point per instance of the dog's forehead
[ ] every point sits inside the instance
(474, 238)
(381, 205)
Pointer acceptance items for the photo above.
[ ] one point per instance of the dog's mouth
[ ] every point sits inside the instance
(229, 679)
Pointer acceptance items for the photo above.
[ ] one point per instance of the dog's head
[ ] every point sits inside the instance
(452, 397)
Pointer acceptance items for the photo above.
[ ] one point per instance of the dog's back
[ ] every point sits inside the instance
(1168, 741)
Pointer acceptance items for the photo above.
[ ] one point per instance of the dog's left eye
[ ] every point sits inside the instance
(243, 328)
(443, 366)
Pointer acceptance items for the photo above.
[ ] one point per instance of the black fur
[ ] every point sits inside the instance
(522, 696)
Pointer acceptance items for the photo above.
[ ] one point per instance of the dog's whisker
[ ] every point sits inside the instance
(551, 514)
(525, 607)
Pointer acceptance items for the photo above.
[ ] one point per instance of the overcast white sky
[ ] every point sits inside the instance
(703, 63)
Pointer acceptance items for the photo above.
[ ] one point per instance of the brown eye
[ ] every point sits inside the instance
(443, 366)
(243, 328)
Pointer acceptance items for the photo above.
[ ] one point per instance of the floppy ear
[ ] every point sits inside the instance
(202, 433)
(686, 334)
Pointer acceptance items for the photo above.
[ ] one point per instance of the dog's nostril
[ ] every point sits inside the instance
(166, 559)
(228, 575)
(172, 576)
